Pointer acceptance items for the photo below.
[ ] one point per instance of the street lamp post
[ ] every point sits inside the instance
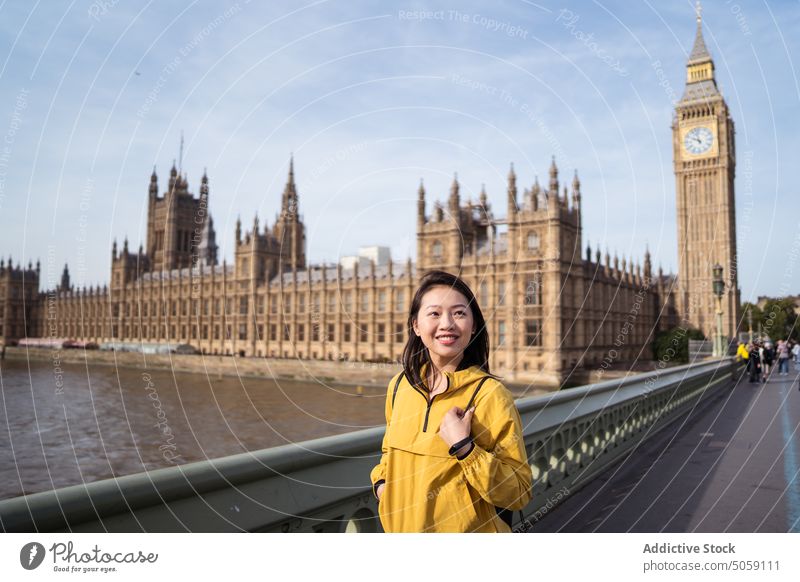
(719, 290)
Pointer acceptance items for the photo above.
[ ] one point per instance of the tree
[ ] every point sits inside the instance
(672, 346)
(778, 319)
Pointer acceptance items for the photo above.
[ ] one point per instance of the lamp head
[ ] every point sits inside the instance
(718, 282)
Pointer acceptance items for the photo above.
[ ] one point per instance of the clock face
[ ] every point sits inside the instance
(698, 140)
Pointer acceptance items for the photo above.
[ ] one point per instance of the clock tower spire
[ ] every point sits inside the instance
(705, 163)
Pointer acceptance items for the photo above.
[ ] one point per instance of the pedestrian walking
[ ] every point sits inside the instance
(754, 363)
(741, 353)
(767, 356)
(783, 358)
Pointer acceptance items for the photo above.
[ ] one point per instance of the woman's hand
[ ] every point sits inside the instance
(456, 425)
(379, 491)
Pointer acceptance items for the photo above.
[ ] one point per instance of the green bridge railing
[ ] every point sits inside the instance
(322, 485)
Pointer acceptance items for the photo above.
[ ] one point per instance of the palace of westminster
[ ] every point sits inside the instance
(551, 305)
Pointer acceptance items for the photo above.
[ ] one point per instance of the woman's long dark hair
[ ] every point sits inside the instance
(415, 354)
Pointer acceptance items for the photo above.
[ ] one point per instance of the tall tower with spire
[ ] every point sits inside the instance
(705, 162)
(179, 227)
(289, 228)
(207, 246)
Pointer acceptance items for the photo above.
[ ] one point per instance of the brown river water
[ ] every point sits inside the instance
(98, 422)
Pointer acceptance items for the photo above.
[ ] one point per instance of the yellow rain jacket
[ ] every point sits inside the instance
(426, 489)
(741, 352)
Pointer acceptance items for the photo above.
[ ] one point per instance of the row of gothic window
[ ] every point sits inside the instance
(533, 240)
(532, 332)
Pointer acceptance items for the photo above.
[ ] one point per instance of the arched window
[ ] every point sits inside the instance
(436, 250)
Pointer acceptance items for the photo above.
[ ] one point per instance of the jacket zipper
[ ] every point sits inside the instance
(427, 412)
(430, 403)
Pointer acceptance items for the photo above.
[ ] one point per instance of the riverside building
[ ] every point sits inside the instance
(554, 306)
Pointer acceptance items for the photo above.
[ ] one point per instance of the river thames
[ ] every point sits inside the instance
(98, 422)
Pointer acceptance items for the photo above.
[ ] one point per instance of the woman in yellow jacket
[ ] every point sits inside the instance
(453, 454)
(741, 352)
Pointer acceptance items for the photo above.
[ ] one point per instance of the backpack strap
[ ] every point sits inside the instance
(396, 386)
(507, 515)
(474, 394)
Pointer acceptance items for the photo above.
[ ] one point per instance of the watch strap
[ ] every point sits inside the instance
(457, 447)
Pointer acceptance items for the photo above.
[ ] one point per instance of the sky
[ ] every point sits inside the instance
(372, 97)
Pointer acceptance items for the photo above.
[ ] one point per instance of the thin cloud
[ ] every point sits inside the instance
(328, 86)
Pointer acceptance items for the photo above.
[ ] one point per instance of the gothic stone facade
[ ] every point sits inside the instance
(704, 152)
(552, 307)
(549, 309)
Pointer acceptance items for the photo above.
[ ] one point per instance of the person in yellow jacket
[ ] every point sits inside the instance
(453, 457)
(741, 352)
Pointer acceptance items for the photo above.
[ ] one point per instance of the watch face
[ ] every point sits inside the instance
(698, 140)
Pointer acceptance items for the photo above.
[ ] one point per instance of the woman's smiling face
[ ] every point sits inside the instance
(445, 325)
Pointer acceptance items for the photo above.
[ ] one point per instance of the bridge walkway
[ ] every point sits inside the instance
(731, 466)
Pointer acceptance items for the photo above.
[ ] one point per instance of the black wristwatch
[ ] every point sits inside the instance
(457, 447)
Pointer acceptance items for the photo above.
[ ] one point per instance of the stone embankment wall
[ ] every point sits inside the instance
(353, 373)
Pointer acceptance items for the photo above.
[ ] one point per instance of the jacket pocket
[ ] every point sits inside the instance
(454, 511)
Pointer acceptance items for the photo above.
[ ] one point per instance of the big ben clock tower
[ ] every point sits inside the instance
(705, 164)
